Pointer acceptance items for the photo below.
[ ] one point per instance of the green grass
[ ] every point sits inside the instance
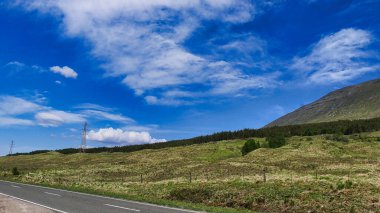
(308, 174)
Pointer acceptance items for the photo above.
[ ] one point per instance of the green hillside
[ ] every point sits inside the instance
(309, 174)
(360, 101)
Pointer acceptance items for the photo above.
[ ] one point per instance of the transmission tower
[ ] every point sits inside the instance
(84, 138)
(11, 146)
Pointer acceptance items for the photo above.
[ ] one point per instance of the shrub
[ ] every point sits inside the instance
(276, 141)
(15, 171)
(249, 146)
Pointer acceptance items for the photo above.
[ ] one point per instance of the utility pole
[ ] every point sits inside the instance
(11, 146)
(84, 138)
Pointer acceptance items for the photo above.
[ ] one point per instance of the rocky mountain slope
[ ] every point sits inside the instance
(361, 101)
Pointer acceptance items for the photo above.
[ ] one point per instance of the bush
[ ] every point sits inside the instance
(249, 146)
(276, 141)
(15, 171)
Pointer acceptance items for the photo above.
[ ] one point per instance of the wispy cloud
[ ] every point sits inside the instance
(338, 57)
(16, 66)
(95, 111)
(10, 105)
(143, 42)
(53, 118)
(93, 107)
(12, 121)
(106, 116)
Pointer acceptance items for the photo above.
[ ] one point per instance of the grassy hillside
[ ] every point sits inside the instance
(308, 174)
(360, 101)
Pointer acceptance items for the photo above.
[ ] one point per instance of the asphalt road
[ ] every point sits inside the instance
(67, 201)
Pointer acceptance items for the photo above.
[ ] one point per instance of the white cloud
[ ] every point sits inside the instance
(338, 57)
(53, 118)
(65, 71)
(142, 41)
(58, 82)
(121, 137)
(11, 121)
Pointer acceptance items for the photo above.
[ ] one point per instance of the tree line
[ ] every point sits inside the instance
(345, 127)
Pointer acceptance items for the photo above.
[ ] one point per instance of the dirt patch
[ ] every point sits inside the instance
(10, 205)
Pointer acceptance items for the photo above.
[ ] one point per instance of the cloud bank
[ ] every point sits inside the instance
(121, 137)
(143, 42)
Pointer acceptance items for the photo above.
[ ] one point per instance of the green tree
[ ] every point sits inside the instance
(276, 141)
(249, 146)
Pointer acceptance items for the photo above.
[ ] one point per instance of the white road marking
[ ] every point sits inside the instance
(15, 186)
(37, 204)
(120, 207)
(111, 198)
(52, 194)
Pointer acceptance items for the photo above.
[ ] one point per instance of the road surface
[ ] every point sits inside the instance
(71, 202)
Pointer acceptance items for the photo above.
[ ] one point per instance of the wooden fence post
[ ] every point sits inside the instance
(264, 174)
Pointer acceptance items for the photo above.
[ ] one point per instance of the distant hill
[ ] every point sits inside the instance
(361, 101)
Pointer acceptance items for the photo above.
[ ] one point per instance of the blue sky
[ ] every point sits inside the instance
(148, 71)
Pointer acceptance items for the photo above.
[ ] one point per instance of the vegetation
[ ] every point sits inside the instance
(276, 141)
(307, 174)
(249, 146)
(336, 127)
(15, 171)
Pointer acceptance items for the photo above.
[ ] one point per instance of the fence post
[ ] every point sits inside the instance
(190, 177)
(291, 178)
(264, 174)
(141, 178)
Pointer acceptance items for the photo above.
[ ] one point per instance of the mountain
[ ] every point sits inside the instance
(361, 101)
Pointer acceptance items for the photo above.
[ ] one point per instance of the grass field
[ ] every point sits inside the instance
(308, 174)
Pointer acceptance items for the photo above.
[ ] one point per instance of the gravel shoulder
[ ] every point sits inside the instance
(11, 205)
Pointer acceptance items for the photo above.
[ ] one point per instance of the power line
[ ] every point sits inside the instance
(84, 138)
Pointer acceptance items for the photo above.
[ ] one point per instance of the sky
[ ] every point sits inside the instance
(148, 71)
